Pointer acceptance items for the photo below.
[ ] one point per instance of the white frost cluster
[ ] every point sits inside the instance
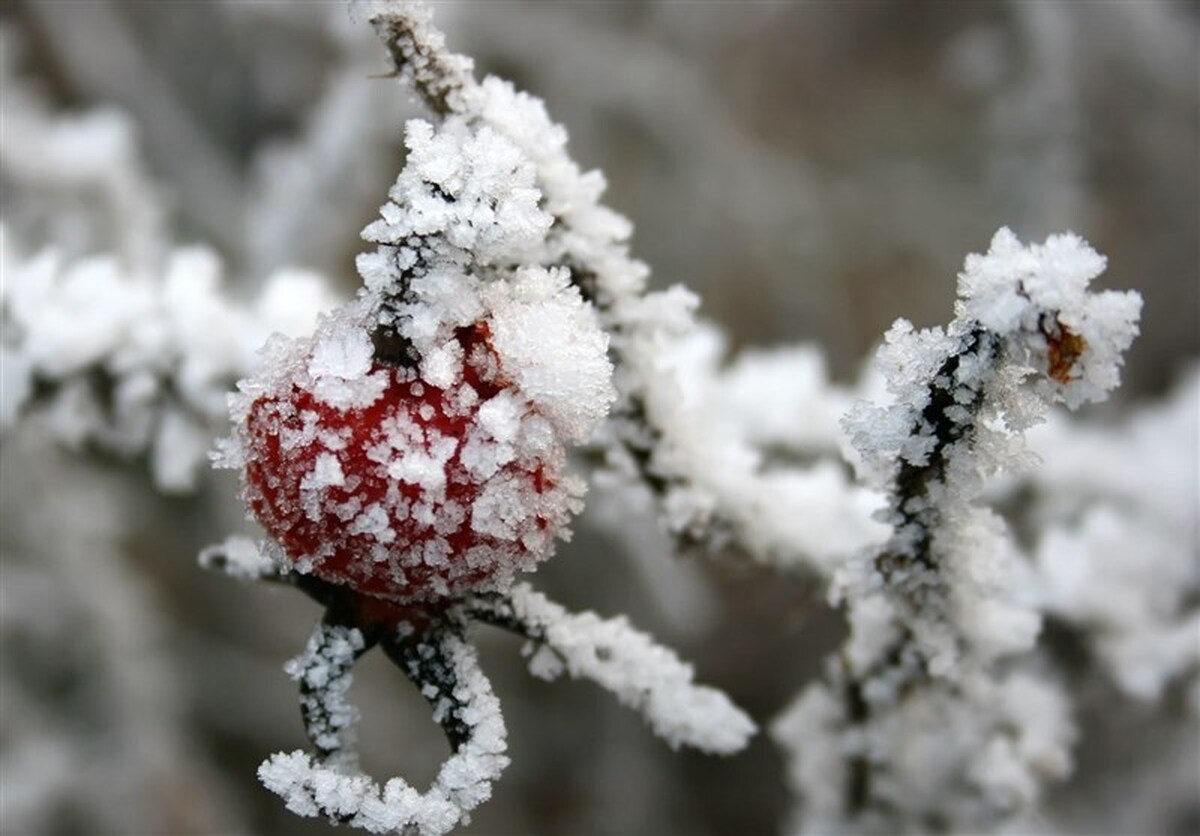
(464, 241)
(1118, 553)
(135, 363)
(336, 790)
(1039, 293)
(643, 675)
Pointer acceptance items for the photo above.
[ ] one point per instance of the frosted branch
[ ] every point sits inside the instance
(419, 54)
(933, 613)
(323, 671)
(242, 559)
(643, 675)
(446, 670)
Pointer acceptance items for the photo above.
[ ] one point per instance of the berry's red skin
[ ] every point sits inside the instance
(273, 477)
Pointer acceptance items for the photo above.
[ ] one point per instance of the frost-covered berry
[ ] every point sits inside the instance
(367, 475)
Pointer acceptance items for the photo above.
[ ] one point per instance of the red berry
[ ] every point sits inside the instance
(421, 493)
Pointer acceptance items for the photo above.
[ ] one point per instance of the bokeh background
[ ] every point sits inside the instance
(812, 170)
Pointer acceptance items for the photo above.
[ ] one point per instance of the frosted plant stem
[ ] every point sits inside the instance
(420, 57)
(932, 717)
(426, 661)
(642, 675)
(324, 674)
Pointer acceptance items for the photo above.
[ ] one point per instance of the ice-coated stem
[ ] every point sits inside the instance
(643, 675)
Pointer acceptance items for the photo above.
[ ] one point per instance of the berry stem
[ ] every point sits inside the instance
(423, 653)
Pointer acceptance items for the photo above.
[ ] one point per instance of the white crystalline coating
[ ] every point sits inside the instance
(336, 790)
(239, 557)
(500, 417)
(135, 363)
(643, 675)
(324, 671)
(1009, 288)
(424, 469)
(392, 479)
(542, 330)
(339, 367)
(346, 354)
(441, 366)
(1027, 306)
(327, 472)
(468, 185)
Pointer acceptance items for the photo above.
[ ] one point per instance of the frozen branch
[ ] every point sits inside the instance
(445, 668)
(933, 613)
(643, 675)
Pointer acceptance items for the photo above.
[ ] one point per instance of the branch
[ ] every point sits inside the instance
(419, 55)
(936, 623)
(445, 669)
(642, 675)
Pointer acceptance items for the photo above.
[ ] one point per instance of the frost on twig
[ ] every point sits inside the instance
(936, 615)
(328, 784)
(643, 675)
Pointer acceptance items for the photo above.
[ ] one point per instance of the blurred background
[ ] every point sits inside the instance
(812, 170)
